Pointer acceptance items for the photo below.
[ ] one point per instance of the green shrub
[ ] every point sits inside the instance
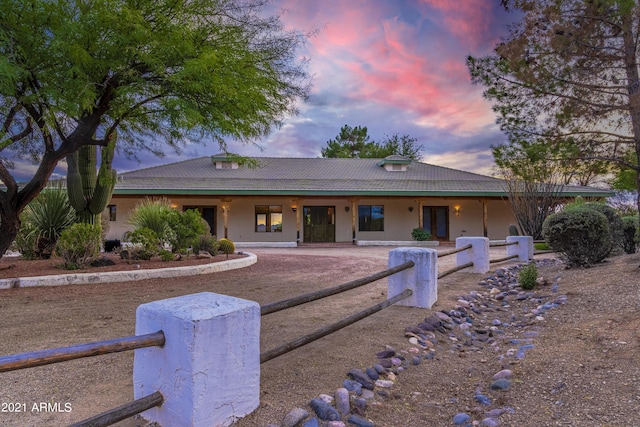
(541, 246)
(145, 243)
(630, 234)
(153, 214)
(166, 255)
(79, 245)
(44, 219)
(513, 230)
(420, 234)
(25, 242)
(616, 226)
(206, 243)
(528, 276)
(226, 246)
(582, 236)
(187, 227)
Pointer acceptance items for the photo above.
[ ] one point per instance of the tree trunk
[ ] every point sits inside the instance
(9, 227)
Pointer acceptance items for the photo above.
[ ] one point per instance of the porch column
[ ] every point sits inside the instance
(485, 218)
(226, 203)
(420, 218)
(354, 219)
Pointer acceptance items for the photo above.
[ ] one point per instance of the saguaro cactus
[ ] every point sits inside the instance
(90, 190)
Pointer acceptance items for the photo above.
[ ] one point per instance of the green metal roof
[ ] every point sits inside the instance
(317, 177)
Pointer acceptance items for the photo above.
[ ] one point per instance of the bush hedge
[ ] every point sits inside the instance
(630, 234)
(582, 235)
(79, 245)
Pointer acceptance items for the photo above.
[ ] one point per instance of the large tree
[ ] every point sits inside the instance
(568, 72)
(354, 142)
(162, 73)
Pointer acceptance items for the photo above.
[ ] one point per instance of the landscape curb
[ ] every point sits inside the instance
(126, 276)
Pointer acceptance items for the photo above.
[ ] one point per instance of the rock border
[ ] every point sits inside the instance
(126, 276)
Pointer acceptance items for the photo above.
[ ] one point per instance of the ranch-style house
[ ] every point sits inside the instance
(288, 201)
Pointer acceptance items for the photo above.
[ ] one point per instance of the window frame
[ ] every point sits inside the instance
(270, 219)
(368, 221)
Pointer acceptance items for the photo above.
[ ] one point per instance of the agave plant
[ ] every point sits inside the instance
(45, 218)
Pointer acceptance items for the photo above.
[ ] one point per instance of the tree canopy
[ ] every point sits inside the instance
(354, 142)
(568, 74)
(162, 73)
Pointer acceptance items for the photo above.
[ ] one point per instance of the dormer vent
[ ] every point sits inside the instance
(224, 161)
(395, 163)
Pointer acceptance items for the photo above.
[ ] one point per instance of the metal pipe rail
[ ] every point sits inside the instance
(323, 293)
(455, 251)
(123, 412)
(45, 357)
(306, 339)
(454, 269)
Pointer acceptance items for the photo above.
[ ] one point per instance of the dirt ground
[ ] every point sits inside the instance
(583, 371)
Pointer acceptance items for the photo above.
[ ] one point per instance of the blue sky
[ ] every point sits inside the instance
(394, 66)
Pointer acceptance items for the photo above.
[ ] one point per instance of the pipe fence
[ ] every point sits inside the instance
(56, 355)
(197, 357)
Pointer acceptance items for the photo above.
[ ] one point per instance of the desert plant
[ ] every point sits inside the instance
(420, 234)
(166, 255)
(153, 214)
(25, 242)
(226, 246)
(187, 226)
(528, 276)
(145, 243)
(90, 190)
(44, 219)
(79, 245)
(541, 246)
(630, 234)
(581, 235)
(206, 243)
(513, 230)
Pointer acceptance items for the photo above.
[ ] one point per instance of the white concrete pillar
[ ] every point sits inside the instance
(209, 368)
(478, 254)
(524, 248)
(422, 279)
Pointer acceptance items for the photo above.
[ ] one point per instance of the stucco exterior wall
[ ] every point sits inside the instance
(401, 216)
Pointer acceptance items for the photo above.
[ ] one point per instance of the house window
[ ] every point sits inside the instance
(371, 218)
(268, 218)
(112, 212)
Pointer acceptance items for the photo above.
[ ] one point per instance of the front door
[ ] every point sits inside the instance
(435, 220)
(319, 223)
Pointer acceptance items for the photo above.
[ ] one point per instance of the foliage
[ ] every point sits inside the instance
(207, 243)
(153, 214)
(186, 228)
(145, 242)
(420, 234)
(630, 234)
(354, 142)
(568, 74)
(166, 255)
(513, 230)
(528, 276)
(541, 246)
(79, 245)
(226, 246)
(581, 235)
(25, 242)
(44, 219)
(162, 73)
(616, 226)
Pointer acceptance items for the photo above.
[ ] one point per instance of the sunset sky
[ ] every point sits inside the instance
(394, 66)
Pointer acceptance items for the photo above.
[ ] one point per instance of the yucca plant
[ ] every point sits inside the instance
(153, 214)
(45, 218)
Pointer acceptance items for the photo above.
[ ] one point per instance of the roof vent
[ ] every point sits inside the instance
(224, 161)
(395, 163)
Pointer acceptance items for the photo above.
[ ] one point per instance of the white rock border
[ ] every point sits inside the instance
(126, 276)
